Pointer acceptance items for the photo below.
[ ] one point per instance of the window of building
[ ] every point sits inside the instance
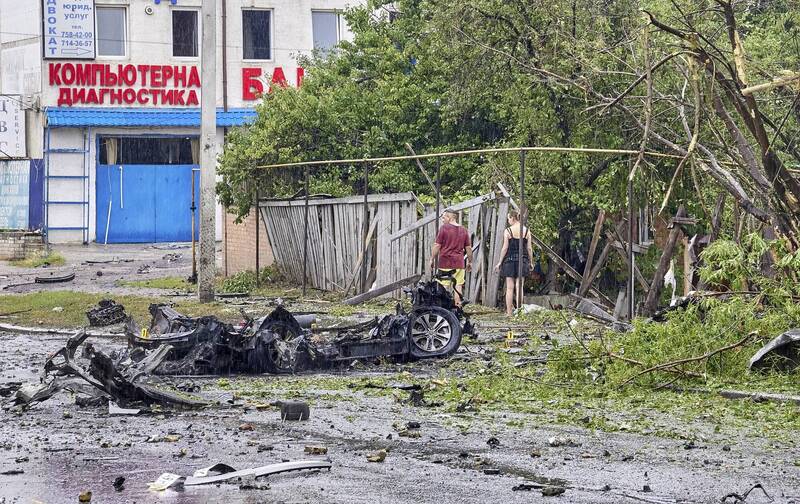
(111, 28)
(185, 34)
(256, 34)
(326, 26)
(147, 150)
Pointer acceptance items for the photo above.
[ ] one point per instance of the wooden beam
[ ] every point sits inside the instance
(598, 226)
(380, 291)
(651, 302)
(357, 268)
(601, 261)
(621, 251)
(569, 269)
(352, 200)
(432, 217)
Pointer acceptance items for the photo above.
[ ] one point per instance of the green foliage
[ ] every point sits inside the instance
(67, 309)
(245, 281)
(727, 264)
(40, 259)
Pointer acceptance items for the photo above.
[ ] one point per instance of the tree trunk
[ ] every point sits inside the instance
(651, 302)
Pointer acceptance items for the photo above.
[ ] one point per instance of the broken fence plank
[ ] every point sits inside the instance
(598, 226)
(357, 268)
(432, 216)
(361, 298)
(349, 200)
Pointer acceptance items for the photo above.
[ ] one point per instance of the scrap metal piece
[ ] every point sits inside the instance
(783, 352)
(107, 312)
(121, 380)
(258, 472)
(54, 279)
(219, 468)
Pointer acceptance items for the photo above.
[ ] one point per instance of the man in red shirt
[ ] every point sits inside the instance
(452, 243)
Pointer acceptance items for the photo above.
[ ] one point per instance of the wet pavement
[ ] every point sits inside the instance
(64, 450)
(99, 268)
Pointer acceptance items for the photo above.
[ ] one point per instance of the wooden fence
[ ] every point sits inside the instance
(400, 235)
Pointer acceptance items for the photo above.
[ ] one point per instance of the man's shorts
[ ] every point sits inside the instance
(459, 277)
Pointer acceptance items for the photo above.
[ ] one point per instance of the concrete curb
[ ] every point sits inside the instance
(11, 328)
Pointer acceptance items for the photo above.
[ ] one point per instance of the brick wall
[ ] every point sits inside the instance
(19, 244)
(239, 245)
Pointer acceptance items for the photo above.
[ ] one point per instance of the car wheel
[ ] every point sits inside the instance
(434, 332)
(278, 355)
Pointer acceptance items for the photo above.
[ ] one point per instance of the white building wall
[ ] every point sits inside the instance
(20, 63)
(149, 42)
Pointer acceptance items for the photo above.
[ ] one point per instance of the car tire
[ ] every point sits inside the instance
(433, 332)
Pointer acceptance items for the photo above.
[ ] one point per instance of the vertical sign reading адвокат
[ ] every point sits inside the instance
(68, 29)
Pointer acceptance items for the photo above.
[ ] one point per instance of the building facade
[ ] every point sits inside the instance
(109, 95)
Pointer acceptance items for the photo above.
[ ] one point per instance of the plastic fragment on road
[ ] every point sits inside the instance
(166, 480)
(114, 409)
(378, 456)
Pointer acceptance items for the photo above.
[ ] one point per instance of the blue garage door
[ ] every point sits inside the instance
(145, 203)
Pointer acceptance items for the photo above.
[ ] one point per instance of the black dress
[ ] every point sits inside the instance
(510, 265)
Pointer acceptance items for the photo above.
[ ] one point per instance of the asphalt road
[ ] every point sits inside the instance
(64, 450)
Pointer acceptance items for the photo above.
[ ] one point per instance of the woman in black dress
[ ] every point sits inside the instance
(509, 265)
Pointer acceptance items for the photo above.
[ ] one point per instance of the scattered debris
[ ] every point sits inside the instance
(493, 442)
(218, 468)
(736, 498)
(54, 279)
(171, 257)
(377, 456)
(294, 411)
(85, 496)
(782, 353)
(106, 313)
(316, 450)
(117, 376)
(119, 483)
(258, 472)
(557, 441)
(12, 472)
(553, 491)
(166, 480)
(114, 409)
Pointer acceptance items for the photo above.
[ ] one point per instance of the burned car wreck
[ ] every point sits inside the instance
(278, 343)
(284, 343)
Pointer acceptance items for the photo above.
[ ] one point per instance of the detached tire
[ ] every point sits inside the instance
(434, 332)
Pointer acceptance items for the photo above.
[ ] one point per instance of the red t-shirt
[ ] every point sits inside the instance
(453, 240)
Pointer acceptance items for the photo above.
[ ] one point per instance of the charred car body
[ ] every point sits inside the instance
(284, 343)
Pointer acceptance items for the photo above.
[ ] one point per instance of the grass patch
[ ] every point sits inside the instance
(38, 260)
(172, 283)
(73, 306)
